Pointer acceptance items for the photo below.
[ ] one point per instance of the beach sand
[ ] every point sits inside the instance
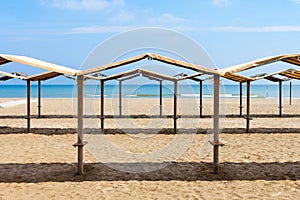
(263, 164)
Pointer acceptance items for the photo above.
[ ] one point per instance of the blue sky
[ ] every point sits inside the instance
(65, 31)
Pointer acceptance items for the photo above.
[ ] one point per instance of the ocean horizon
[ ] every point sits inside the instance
(146, 91)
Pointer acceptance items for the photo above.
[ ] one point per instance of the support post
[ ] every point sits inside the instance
(201, 95)
(102, 105)
(39, 99)
(175, 107)
(120, 98)
(160, 98)
(280, 98)
(80, 123)
(28, 105)
(241, 99)
(248, 108)
(216, 123)
(290, 92)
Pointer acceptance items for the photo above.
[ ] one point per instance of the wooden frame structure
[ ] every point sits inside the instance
(231, 73)
(130, 75)
(53, 70)
(228, 73)
(38, 77)
(200, 81)
(80, 77)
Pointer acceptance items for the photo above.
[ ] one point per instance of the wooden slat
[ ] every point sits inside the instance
(157, 75)
(289, 58)
(119, 75)
(143, 72)
(38, 63)
(150, 56)
(274, 79)
(42, 76)
(6, 76)
(237, 77)
(291, 73)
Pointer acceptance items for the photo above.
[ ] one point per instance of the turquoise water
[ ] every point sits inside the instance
(142, 91)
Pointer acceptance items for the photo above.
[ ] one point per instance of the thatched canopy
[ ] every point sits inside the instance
(150, 56)
(5, 58)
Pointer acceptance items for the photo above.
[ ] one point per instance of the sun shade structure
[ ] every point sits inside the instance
(150, 56)
(231, 73)
(53, 70)
(130, 75)
(37, 77)
(200, 81)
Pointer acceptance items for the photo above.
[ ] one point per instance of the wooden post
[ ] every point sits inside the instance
(280, 98)
(160, 98)
(120, 98)
(290, 92)
(216, 123)
(102, 105)
(39, 98)
(28, 105)
(241, 99)
(175, 107)
(200, 93)
(80, 123)
(248, 107)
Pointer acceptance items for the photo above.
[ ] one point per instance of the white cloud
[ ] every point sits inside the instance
(221, 2)
(123, 16)
(232, 29)
(253, 29)
(296, 1)
(99, 29)
(84, 4)
(166, 18)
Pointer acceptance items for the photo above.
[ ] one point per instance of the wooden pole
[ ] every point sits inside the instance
(216, 123)
(175, 107)
(39, 98)
(120, 98)
(28, 105)
(102, 105)
(290, 92)
(160, 98)
(248, 107)
(280, 98)
(80, 123)
(241, 99)
(201, 95)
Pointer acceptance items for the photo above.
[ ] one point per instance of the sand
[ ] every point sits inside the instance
(264, 164)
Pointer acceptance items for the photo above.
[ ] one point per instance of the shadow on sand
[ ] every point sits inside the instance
(181, 171)
(61, 131)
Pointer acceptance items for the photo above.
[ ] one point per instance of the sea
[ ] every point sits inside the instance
(147, 91)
